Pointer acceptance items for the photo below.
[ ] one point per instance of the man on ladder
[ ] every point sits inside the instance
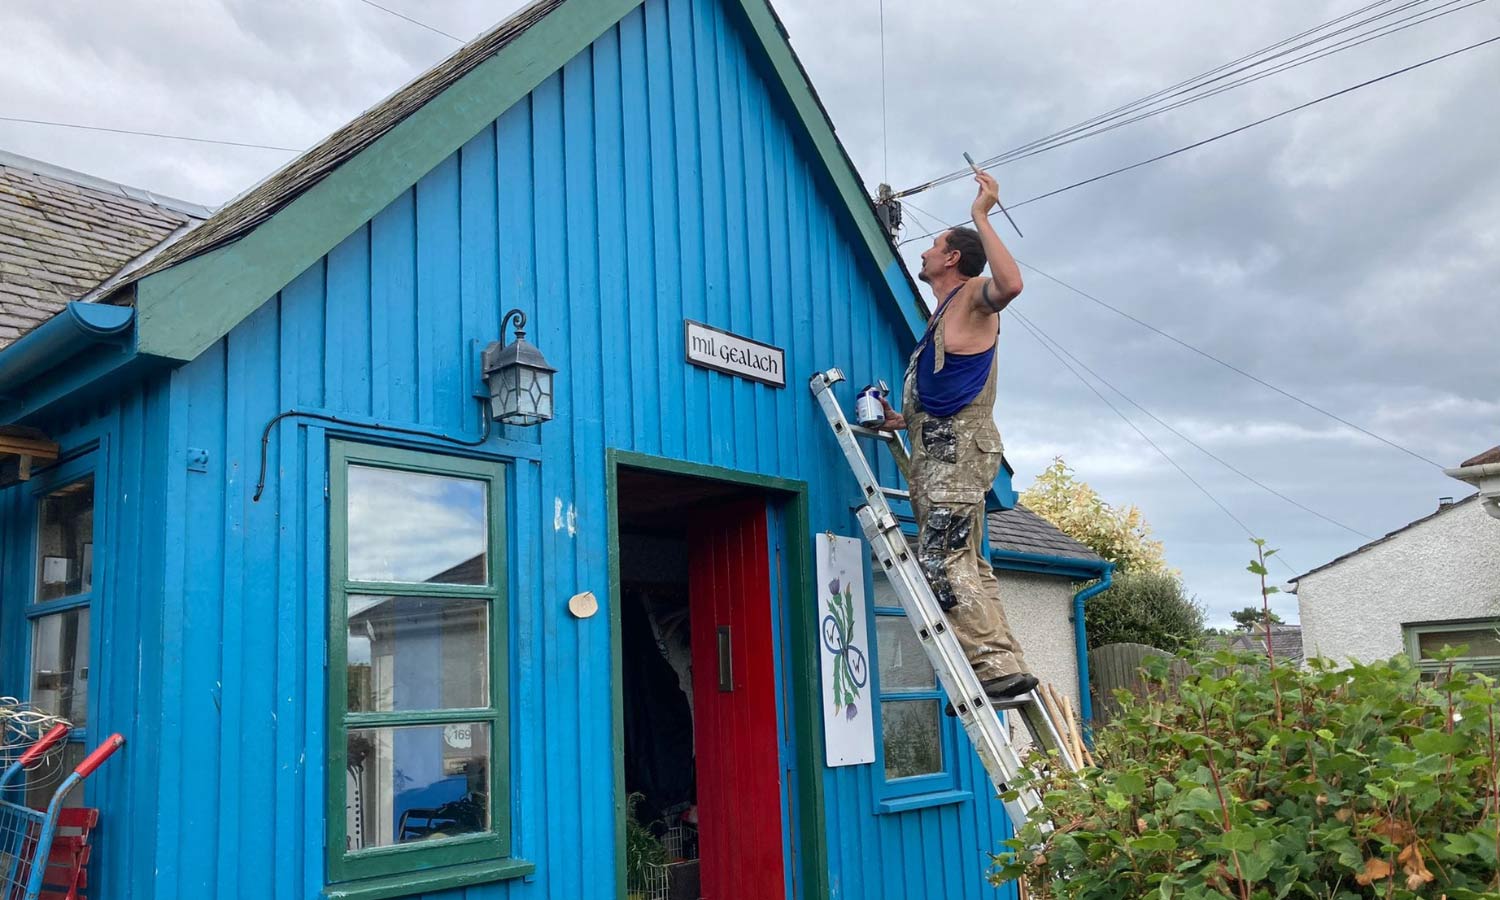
(949, 398)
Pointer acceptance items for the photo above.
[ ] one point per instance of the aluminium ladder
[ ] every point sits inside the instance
(979, 717)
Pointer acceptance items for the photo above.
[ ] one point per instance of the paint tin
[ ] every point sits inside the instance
(868, 410)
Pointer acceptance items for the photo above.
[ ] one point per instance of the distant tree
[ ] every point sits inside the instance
(1144, 608)
(1119, 534)
(1250, 617)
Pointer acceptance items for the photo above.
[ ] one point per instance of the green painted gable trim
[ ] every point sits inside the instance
(185, 309)
(777, 48)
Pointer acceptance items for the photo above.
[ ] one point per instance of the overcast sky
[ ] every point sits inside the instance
(1349, 253)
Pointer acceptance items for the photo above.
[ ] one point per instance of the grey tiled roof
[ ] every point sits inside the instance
(62, 233)
(1024, 531)
(1286, 641)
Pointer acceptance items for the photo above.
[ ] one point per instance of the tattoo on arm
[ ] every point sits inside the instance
(984, 297)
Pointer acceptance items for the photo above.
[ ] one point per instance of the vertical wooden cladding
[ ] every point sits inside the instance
(735, 730)
(654, 178)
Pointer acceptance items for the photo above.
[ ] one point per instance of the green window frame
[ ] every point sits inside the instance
(412, 865)
(1480, 636)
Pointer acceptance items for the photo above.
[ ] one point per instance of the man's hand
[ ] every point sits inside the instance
(989, 196)
(894, 421)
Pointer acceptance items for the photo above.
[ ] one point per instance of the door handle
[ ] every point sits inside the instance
(726, 660)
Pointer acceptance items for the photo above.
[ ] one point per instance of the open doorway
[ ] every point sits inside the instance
(699, 649)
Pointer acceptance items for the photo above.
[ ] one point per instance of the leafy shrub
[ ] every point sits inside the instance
(1119, 534)
(1257, 781)
(1144, 608)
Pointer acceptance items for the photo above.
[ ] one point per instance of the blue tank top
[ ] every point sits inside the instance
(964, 374)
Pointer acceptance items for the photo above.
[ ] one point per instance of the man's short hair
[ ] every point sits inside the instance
(970, 249)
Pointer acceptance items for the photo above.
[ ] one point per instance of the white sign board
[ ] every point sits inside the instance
(844, 638)
(734, 355)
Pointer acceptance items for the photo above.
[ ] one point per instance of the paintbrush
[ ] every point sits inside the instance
(970, 160)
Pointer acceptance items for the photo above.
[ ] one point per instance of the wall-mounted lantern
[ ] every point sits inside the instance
(518, 377)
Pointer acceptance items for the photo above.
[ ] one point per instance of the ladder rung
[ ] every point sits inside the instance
(875, 433)
(980, 718)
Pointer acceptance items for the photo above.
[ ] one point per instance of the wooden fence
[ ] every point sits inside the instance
(1116, 666)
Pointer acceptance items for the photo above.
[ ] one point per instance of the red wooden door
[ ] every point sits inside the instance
(734, 706)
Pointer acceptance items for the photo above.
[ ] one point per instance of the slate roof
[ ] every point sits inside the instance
(63, 233)
(1491, 455)
(1286, 641)
(1024, 531)
(261, 202)
(1446, 507)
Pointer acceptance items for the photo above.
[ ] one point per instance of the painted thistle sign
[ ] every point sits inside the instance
(844, 632)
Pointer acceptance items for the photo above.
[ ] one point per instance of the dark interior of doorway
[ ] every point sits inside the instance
(656, 513)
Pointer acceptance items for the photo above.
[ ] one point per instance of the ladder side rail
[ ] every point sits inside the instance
(982, 724)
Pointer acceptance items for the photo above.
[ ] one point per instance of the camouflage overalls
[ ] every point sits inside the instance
(954, 461)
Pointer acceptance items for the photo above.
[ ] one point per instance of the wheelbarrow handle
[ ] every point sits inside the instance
(101, 753)
(54, 736)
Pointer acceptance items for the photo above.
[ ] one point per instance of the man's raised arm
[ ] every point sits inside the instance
(990, 295)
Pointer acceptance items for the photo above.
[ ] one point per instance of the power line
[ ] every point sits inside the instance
(1199, 447)
(154, 134)
(1195, 145)
(1147, 438)
(1230, 366)
(1347, 44)
(885, 148)
(413, 21)
(1189, 85)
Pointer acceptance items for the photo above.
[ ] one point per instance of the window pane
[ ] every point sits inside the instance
(418, 528)
(903, 663)
(913, 743)
(416, 784)
(60, 665)
(881, 592)
(1480, 640)
(65, 541)
(412, 653)
(44, 780)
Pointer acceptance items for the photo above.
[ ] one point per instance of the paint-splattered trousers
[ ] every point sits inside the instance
(954, 461)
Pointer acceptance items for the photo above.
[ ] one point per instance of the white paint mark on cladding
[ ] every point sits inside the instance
(572, 521)
(557, 515)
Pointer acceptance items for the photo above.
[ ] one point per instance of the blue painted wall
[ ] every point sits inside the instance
(121, 441)
(655, 178)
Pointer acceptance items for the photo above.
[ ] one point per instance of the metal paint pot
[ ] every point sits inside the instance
(868, 410)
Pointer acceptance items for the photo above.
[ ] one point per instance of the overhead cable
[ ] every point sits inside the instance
(1096, 124)
(153, 134)
(1147, 438)
(1230, 366)
(419, 24)
(1313, 56)
(1233, 131)
(1194, 444)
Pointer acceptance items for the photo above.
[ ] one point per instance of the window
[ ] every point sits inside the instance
(917, 742)
(59, 614)
(1479, 637)
(417, 663)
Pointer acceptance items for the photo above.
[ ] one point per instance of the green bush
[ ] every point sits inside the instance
(1258, 782)
(1144, 608)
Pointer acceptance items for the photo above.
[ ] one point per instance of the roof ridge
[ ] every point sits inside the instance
(1442, 508)
(95, 182)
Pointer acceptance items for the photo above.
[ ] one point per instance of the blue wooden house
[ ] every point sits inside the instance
(382, 610)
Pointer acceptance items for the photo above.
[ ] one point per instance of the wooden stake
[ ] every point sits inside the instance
(1055, 713)
(1082, 756)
